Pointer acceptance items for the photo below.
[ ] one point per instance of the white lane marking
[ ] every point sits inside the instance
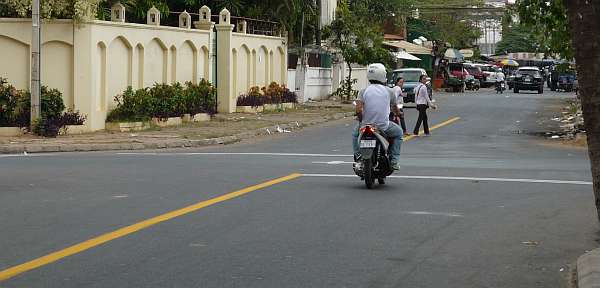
(332, 162)
(25, 155)
(236, 153)
(120, 196)
(450, 214)
(547, 181)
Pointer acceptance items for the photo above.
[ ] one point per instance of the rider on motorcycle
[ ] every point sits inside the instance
(373, 107)
(500, 78)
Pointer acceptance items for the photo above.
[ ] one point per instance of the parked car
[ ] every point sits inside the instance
(475, 71)
(457, 77)
(411, 80)
(529, 78)
(489, 74)
(566, 82)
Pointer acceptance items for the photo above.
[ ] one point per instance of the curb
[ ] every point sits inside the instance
(178, 143)
(588, 269)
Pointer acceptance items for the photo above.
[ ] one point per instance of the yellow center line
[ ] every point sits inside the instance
(91, 243)
(447, 122)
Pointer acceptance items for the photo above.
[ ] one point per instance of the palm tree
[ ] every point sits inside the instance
(234, 6)
(293, 15)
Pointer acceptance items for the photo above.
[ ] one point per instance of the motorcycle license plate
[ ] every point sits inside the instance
(527, 79)
(367, 143)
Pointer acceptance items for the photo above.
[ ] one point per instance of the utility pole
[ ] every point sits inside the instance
(35, 60)
(494, 39)
(318, 6)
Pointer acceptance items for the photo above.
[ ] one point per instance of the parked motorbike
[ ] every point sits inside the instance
(473, 84)
(500, 87)
(374, 162)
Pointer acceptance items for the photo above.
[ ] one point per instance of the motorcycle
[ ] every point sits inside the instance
(500, 87)
(374, 162)
(473, 84)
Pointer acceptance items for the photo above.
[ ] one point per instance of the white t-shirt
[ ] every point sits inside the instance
(422, 95)
(377, 99)
(399, 95)
(500, 77)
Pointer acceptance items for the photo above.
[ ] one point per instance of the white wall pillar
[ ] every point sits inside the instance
(301, 82)
(85, 85)
(225, 93)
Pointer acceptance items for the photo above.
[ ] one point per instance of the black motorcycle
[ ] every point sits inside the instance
(473, 84)
(374, 162)
(500, 87)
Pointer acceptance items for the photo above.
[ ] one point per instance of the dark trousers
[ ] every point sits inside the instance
(422, 108)
(402, 123)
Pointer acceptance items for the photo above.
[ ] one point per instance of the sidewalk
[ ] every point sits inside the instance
(588, 269)
(222, 129)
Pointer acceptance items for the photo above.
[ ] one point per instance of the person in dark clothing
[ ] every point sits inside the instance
(423, 102)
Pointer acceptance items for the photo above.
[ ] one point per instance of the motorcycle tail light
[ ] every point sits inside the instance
(367, 130)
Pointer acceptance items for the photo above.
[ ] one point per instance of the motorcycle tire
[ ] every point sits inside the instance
(368, 173)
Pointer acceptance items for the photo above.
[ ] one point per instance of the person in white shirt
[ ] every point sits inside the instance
(373, 106)
(500, 78)
(423, 102)
(400, 100)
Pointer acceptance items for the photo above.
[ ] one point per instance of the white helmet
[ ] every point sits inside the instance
(376, 72)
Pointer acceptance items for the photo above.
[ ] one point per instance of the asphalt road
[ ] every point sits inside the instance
(467, 209)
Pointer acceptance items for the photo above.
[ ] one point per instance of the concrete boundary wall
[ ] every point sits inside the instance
(315, 83)
(91, 63)
(246, 60)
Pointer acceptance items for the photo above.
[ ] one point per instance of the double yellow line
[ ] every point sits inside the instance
(91, 243)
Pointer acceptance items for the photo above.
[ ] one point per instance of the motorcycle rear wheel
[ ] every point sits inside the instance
(368, 173)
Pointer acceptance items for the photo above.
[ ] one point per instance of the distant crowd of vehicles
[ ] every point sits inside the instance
(458, 77)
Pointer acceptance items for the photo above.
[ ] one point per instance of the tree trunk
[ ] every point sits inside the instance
(348, 83)
(584, 24)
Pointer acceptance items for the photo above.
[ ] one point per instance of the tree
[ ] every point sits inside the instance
(450, 26)
(571, 28)
(79, 10)
(517, 39)
(359, 42)
(548, 22)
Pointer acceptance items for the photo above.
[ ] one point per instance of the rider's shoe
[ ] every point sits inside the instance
(395, 166)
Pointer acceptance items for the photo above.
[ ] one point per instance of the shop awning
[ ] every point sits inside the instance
(409, 47)
(454, 54)
(405, 55)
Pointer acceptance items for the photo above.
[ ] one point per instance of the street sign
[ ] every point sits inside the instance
(468, 53)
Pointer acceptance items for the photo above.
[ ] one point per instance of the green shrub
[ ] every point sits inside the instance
(15, 110)
(168, 100)
(9, 97)
(163, 101)
(200, 98)
(132, 106)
